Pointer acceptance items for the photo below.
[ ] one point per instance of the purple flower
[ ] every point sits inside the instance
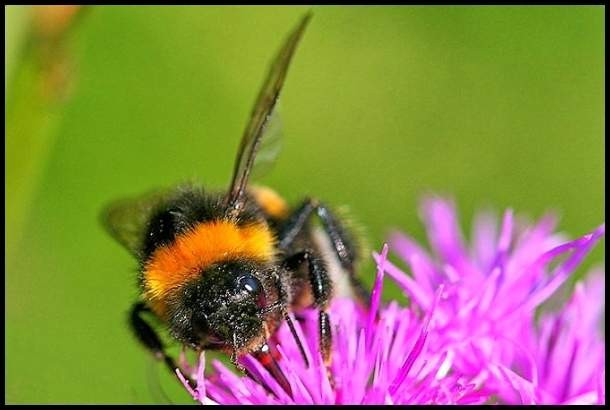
(569, 349)
(375, 360)
(473, 333)
(486, 319)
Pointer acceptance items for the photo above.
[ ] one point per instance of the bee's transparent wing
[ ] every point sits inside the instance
(126, 219)
(260, 119)
(270, 145)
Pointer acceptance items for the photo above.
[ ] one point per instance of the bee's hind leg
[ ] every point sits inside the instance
(342, 244)
(150, 339)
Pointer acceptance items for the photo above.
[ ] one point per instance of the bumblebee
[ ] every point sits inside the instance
(222, 270)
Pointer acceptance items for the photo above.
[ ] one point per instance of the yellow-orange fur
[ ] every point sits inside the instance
(270, 201)
(173, 265)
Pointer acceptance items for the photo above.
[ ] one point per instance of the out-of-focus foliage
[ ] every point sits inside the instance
(492, 105)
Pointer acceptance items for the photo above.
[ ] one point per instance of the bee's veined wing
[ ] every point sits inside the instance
(127, 219)
(270, 145)
(260, 118)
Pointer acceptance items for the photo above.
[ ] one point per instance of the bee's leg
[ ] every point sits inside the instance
(341, 242)
(321, 287)
(283, 297)
(149, 338)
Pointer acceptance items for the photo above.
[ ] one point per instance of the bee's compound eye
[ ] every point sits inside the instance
(251, 285)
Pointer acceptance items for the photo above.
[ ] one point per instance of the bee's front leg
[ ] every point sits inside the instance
(150, 339)
(321, 288)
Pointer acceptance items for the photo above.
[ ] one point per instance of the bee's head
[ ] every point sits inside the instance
(226, 306)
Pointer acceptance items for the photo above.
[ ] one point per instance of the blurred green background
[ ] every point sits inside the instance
(494, 106)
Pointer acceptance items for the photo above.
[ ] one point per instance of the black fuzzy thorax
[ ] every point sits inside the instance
(185, 209)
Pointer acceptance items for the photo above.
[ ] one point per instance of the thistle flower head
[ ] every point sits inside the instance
(470, 335)
(493, 289)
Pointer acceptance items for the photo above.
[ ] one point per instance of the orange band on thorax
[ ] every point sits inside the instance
(172, 265)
